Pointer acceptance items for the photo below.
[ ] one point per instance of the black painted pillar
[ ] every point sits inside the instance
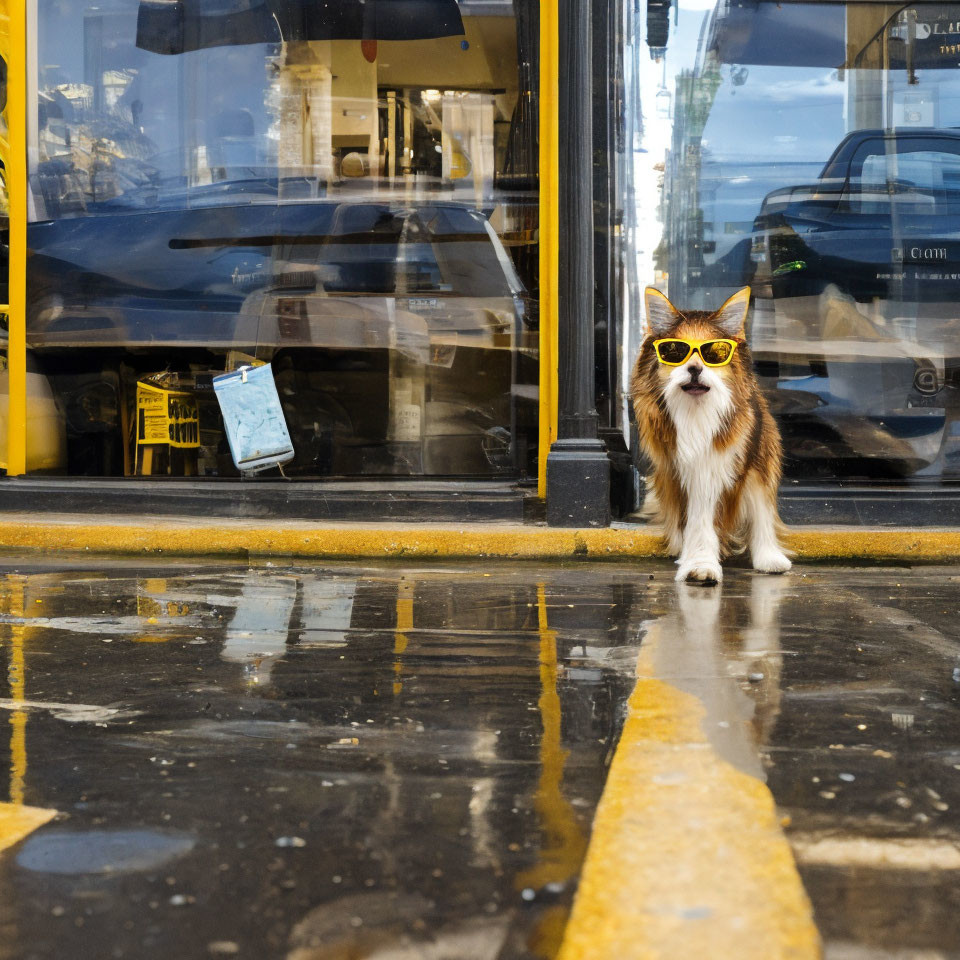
(578, 471)
(608, 150)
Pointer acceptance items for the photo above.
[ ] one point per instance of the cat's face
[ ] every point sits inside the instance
(698, 382)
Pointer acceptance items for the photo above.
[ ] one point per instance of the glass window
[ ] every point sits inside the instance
(812, 151)
(346, 190)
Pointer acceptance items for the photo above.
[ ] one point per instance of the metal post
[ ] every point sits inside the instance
(604, 202)
(578, 471)
(608, 150)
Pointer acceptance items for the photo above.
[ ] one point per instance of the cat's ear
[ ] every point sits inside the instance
(662, 315)
(731, 317)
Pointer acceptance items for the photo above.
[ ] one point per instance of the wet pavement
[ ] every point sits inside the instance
(864, 756)
(841, 688)
(344, 762)
(307, 763)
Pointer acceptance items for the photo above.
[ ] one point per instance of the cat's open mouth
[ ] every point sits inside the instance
(694, 389)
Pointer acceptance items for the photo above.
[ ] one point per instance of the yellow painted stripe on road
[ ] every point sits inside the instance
(687, 858)
(250, 539)
(18, 821)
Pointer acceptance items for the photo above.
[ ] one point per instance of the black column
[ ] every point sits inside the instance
(608, 153)
(604, 202)
(578, 471)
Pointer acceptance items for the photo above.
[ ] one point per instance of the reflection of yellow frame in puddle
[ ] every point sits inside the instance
(17, 820)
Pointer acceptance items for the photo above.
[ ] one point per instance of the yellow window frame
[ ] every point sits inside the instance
(13, 152)
(549, 232)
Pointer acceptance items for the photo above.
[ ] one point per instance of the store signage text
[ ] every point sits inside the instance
(900, 254)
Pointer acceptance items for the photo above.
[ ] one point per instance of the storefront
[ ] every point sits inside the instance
(434, 220)
(348, 193)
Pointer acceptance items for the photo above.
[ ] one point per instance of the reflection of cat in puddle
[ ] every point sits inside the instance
(724, 647)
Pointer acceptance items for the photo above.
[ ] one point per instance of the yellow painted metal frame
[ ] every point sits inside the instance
(13, 152)
(549, 233)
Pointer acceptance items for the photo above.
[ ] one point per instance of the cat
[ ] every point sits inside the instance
(713, 443)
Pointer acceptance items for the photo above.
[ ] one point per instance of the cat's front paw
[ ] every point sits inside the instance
(700, 570)
(771, 561)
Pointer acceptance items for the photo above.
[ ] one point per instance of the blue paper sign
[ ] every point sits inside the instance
(253, 418)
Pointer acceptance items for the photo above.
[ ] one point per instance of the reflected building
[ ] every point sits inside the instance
(350, 196)
(354, 197)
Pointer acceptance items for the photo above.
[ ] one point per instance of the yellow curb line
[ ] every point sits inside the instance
(687, 858)
(246, 539)
(249, 539)
(885, 543)
(17, 821)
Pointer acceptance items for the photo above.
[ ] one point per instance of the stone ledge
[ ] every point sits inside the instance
(179, 536)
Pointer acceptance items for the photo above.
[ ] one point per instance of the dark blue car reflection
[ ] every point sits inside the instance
(353, 299)
(219, 273)
(856, 279)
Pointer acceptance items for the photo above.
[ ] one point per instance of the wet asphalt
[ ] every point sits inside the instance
(401, 761)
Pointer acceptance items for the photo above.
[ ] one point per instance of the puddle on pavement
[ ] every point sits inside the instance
(312, 763)
(101, 851)
(308, 763)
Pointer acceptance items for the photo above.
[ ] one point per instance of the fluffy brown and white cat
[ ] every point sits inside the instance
(713, 443)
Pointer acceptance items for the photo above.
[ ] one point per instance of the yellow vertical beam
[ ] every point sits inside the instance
(549, 233)
(16, 178)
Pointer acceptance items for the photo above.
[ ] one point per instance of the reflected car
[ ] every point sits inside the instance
(882, 221)
(427, 282)
(856, 277)
(185, 276)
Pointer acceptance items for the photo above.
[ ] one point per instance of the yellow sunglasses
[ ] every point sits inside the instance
(714, 353)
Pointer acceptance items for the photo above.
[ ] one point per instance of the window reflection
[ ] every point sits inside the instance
(347, 191)
(812, 153)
